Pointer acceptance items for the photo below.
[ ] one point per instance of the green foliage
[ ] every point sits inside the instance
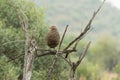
(7, 14)
(11, 41)
(7, 70)
(89, 70)
(12, 9)
(105, 52)
(39, 74)
(117, 68)
(42, 65)
(103, 55)
(12, 38)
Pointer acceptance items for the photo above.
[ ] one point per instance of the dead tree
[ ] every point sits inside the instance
(73, 65)
(30, 48)
(30, 44)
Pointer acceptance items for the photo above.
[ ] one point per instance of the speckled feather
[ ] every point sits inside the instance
(52, 37)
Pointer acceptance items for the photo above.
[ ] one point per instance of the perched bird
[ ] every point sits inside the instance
(53, 37)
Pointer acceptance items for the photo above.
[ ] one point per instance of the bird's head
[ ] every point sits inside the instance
(53, 27)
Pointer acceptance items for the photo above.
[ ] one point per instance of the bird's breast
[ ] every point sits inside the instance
(52, 39)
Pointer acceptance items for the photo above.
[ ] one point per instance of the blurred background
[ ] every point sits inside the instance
(102, 61)
(77, 14)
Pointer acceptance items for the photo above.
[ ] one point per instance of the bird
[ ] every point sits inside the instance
(52, 37)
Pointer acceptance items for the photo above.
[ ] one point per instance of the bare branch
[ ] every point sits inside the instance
(68, 61)
(76, 44)
(88, 26)
(74, 65)
(44, 53)
(13, 59)
(83, 54)
(63, 36)
(74, 48)
(13, 42)
(53, 52)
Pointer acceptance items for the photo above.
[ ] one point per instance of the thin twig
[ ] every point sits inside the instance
(76, 44)
(83, 54)
(63, 36)
(13, 42)
(51, 52)
(12, 59)
(66, 60)
(74, 48)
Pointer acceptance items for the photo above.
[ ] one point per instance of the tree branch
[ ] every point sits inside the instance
(83, 54)
(63, 36)
(13, 59)
(13, 42)
(53, 52)
(88, 26)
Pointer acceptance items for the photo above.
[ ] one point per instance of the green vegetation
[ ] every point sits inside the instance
(101, 61)
(12, 40)
(102, 57)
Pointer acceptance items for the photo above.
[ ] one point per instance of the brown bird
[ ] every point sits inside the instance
(53, 37)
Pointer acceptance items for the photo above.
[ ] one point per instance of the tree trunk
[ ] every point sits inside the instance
(30, 47)
(28, 60)
(71, 75)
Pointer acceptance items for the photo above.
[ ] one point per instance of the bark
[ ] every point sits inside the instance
(30, 47)
(28, 66)
(71, 75)
(72, 71)
(28, 61)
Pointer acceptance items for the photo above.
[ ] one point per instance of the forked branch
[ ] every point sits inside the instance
(86, 29)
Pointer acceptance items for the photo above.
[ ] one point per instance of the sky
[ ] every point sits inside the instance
(115, 3)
